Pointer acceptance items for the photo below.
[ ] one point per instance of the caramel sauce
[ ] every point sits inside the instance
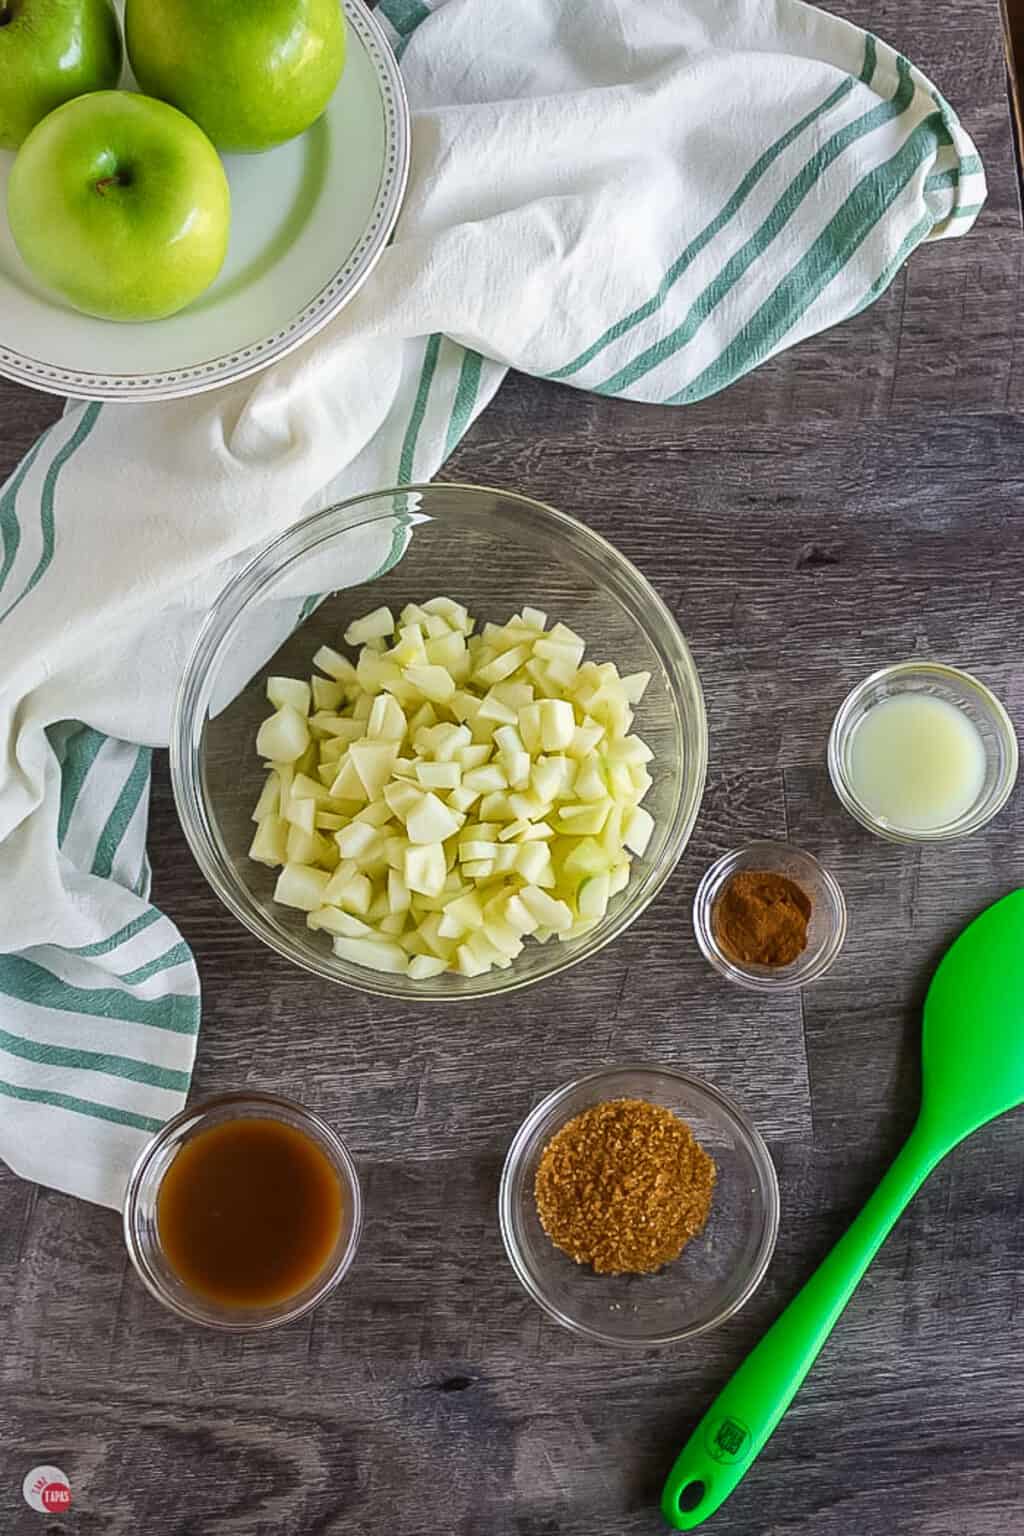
(249, 1212)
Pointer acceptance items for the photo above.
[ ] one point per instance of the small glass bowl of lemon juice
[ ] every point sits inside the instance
(921, 752)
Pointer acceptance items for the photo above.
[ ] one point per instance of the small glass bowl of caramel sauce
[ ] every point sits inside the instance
(243, 1212)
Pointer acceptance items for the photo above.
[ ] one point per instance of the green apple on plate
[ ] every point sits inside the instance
(120, 204)
(51, 51)
(251, 73)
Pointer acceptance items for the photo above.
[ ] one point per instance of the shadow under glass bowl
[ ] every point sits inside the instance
(493, 551)
(716, 1273)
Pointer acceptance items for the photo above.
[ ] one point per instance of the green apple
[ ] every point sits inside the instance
(251, 73)
(120, 204)
(50, 51)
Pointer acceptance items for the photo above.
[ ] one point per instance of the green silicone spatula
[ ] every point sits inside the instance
(973, 1070)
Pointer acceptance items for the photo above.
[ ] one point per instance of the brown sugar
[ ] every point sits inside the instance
(623, 1187)
(761, 918)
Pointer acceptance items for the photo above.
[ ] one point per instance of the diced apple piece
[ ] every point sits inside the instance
(434, 683)
(372, 626)
(356, 895)
(478, 869)
(301, 887)
(514, 830)
(335, 665)
(302, 814)
(502, 665)
(270, 844)
(463, 705)
(429, 930)
(557, 724)
(439, 775)
(393, 924)
(467, 964)
(519, 918)
(284, 736)
(585, 738)
(629, 749)
(496, 807)
(402, 798)
(476, 848)
(425, 868)
(529, 721)
(375, 954)
(328, 695)
(618, 879)
(378, 814)
(394, 851)
(473, 756)
(398, 892)
(305, 788)
(493, 708)
(504, 938)
(487, 779)
(593, 895)
(466, 910)
(585, 859)
(590, 782)
(424, 717)
(532, 861)
(422, 967)
(301, 846)
(583, 819)
(269, 802)
(347, 784)
(528, 807)
(448, 650)
(536, 832)
(431, 821)
(329, 821)
(291, 691)
(611, 833)
(357, 840)
(454, 612)
(333, 920)
(411, 647)
(462, 798)
(635, 686)
(637, 829)
(373, 761)
(387, 719)
(553, 914)
(516, 767)
(535, 618)
(480, 947)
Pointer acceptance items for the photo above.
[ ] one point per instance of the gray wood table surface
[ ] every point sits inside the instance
(855, 501)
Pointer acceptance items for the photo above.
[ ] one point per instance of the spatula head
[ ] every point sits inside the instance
(973, 1049)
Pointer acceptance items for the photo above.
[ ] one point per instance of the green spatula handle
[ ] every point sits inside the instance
(732, 1433)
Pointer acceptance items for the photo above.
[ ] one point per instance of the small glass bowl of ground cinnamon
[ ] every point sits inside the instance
(638, 1206)
(770, 917)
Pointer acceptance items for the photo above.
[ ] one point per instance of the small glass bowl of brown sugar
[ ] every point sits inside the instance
(770, 917)
(629, 1132)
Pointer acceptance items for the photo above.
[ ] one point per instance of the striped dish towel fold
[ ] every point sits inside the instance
(638, 199)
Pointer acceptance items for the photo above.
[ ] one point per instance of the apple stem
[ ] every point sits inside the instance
(119, 179)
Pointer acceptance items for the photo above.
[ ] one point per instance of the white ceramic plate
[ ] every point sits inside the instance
(309, 221)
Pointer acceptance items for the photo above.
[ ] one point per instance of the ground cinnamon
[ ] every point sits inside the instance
(761, 918)
(623, 1187)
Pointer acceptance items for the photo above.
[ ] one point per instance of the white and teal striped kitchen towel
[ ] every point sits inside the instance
(639, 199)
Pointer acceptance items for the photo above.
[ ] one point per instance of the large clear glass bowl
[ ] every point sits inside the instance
(493, 551)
